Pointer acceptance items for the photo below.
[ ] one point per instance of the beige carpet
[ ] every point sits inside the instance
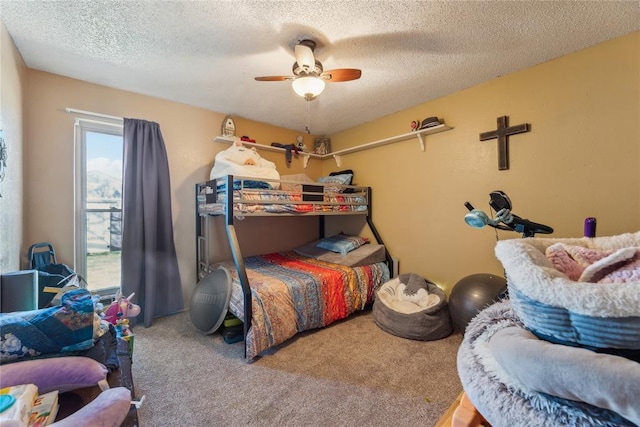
(350, 373)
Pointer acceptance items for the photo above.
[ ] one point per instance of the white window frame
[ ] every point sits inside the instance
(81, 127)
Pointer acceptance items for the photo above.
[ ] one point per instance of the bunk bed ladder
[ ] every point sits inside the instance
(202, 240)
(238, 260)
(387, 256)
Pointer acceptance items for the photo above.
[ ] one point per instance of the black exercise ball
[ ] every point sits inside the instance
(472, 294)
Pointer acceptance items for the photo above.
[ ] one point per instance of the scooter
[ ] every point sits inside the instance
(504, 219)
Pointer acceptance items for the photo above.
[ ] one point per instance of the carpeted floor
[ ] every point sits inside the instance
(350, 373)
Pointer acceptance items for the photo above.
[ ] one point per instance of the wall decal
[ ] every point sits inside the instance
(228, 127)
(502, 133)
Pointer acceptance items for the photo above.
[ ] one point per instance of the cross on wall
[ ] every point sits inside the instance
(502, 134)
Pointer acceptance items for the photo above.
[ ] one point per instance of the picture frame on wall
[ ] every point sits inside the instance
(322, 145)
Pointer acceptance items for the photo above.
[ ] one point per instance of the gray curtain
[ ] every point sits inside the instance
(149, 262)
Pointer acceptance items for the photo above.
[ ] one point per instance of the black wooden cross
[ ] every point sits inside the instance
(502, 133)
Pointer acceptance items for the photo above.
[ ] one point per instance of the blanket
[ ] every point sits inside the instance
(245, 162)
(594, 265)
(291, 293)
(57, 330)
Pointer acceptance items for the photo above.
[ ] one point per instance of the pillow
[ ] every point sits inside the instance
(344, 179)
(370, 253)
(341, 243)
(110, 408)
(57, 373)
(344, 172)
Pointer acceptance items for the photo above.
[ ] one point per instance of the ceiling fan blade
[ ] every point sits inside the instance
(304, 57)
(341, 74)
(273, 78)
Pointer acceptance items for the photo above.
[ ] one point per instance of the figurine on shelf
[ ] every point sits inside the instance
(300, 144)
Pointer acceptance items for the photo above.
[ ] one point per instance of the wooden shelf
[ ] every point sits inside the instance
(231, 139)
(420, 134)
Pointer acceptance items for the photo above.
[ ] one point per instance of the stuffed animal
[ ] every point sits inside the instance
(122, 308)
(300, 144)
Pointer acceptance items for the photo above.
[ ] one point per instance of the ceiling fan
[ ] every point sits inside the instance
(309, 78)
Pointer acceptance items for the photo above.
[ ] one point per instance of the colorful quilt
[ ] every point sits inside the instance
(274, 201)
(62, 329)
(291, 293)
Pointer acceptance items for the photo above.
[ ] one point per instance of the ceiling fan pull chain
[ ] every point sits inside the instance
(308, 115)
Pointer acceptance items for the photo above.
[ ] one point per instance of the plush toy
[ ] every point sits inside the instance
(122, 308)
(300, 144)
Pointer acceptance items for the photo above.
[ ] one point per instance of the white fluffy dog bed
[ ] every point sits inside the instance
(583, 292)
(515, 379)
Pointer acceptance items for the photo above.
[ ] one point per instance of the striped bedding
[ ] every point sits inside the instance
(275, 201)
(292, 293)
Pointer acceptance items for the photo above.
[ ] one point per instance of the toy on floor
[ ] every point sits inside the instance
(122, 308)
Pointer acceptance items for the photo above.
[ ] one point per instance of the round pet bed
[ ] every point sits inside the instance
(412, 307)
(496, 377)
(583, 292)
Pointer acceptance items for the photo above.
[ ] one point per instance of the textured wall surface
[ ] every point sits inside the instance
(581, 158)
(188, 134)
(12, 104)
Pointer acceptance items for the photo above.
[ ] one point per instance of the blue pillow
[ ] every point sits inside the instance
(344, 179)
(341, 243)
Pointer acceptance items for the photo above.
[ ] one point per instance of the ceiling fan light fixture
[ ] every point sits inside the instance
(308, 87)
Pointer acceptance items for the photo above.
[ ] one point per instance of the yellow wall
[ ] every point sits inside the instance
(581, 158)
(188, 133)
(13, 76)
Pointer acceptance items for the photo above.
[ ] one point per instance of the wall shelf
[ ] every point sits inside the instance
(419, 134)
(231, 139)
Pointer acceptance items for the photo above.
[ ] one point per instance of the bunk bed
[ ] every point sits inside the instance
(278, 295)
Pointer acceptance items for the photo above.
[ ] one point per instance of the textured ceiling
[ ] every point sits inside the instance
(207, 53)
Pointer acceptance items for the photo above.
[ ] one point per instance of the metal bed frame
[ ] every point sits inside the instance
(202, 230)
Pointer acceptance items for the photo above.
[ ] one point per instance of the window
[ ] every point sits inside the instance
(98, 222)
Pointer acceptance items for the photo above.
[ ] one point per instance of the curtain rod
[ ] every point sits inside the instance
(90, 113)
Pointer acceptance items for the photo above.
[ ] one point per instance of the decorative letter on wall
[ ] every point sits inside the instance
(502, 133)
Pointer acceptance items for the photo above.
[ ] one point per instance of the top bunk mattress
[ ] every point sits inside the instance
(266, 196)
